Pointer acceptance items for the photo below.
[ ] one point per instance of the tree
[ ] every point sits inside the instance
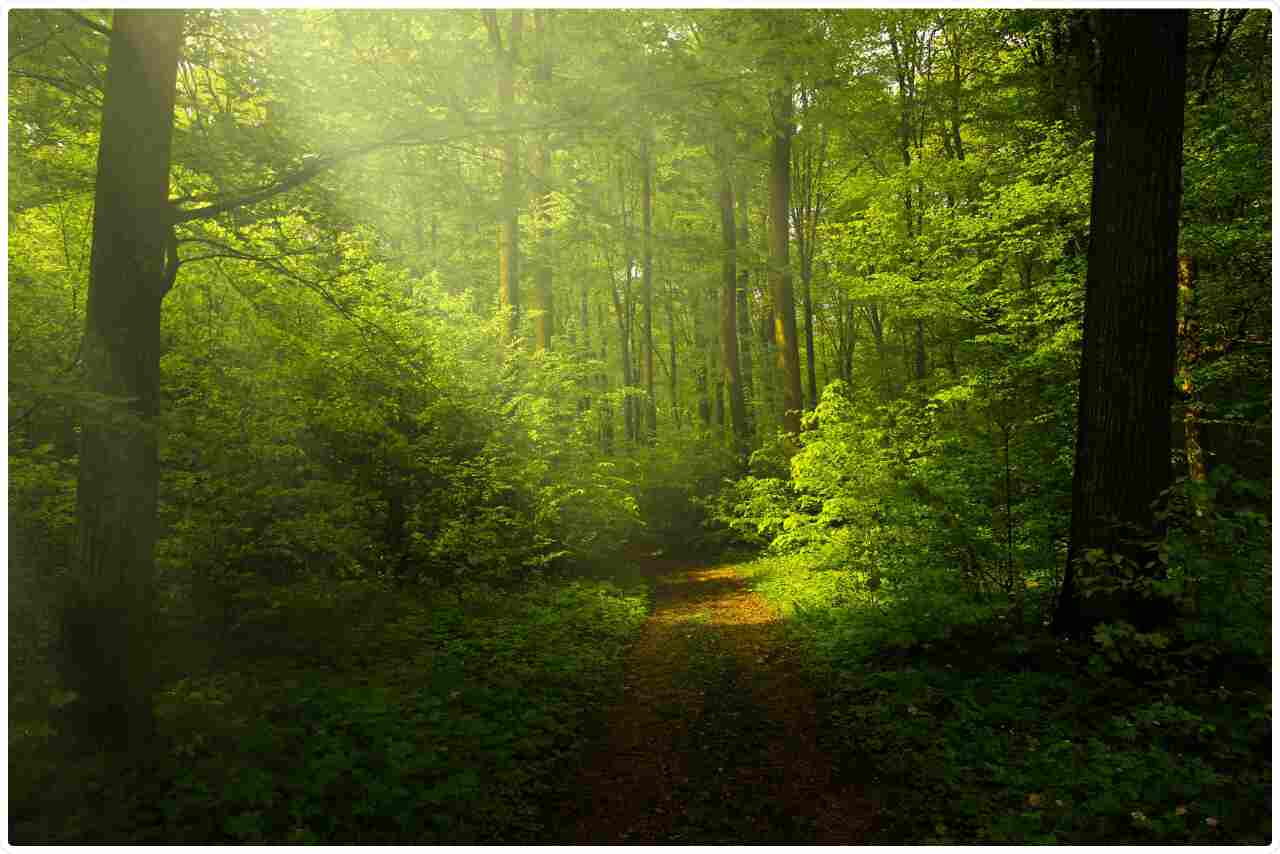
(107, 616)
(509, 229)
(808, 169)
(539, 167)
(1123, 433)
(784, 302)
(646, 286)
(729, 301)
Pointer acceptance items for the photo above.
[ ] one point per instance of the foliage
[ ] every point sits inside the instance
(450, 718)
(983, 730)
(372, 501)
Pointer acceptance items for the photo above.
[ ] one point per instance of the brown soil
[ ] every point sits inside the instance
(714, 737)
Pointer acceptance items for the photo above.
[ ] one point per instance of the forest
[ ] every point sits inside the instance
(517, 426)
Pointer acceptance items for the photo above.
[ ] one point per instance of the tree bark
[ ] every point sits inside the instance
(622, 307)
(509, 227)
(784, 329)
(699, 355)
(810, 165)
(729, 307)
(108, 612)
(1123, 434)
(539, 170)
(646, 287)
(744, 302)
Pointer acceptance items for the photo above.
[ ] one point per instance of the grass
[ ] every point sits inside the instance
(978, 729)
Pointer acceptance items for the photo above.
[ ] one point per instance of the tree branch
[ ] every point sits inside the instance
(88, 22)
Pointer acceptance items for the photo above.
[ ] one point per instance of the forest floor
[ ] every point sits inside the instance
(714, 736)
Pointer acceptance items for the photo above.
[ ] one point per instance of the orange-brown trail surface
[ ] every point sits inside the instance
(713, 737)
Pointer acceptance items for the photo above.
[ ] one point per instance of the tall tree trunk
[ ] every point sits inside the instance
(809, 164)
(622, 309)
(108, 611)
(768, 361)
(907, 50)
(699, 355)
(606, 408)
(806, 298)
(539, 170)
(1126, 368)
(509, 228)
(715, 372)
(646, 287)
(779, 258)
(744, 302)
(729, 306)
(875, 320)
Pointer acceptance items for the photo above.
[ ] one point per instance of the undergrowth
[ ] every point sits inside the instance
(977, 727)
(455, 719)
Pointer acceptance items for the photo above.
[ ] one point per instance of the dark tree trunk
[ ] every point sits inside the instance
(108, 613)
(1126, 370)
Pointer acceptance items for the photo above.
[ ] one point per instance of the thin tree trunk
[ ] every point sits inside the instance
(539, 170)
(714, 369)
(808, 168)
(779, 258)
(700, 358)
(744, 303)
(622, 309)
(729, 306)
(646, 288)
(806, 296)
(768, 362)
(606, 408)
(509, 227)
(108, 613)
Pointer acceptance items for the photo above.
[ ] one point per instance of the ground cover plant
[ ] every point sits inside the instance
(447, 719)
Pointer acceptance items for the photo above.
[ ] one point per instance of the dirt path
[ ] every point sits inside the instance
(714, 739)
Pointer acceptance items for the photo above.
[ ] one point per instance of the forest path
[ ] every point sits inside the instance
(714, 739)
